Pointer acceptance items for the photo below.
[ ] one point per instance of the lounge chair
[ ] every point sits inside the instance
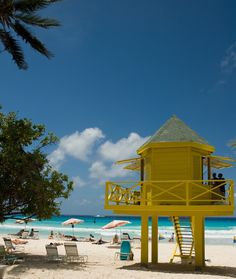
(33, 234)
(125, 236)
(5, 258)
(72, 253)
(52, 253)
(12, 248)
(19, 233)
(125, 251)
(25, 234)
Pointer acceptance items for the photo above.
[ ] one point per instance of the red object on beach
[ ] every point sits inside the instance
(114, 224)
(72, 222)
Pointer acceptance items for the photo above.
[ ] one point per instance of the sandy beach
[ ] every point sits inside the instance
(102, 263)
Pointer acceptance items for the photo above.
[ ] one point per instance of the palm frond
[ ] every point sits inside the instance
(28, 6)
(36, 20)
(32, 40)
(11, 45)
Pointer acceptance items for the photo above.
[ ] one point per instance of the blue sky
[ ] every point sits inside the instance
(121, 69)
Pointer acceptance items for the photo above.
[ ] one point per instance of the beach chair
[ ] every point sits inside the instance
(72, 253)
(52, 253)
(18, 234)
(125, 236)
(33, 234)
(125, 251)
(5, 258)
(12, 248)
(25, 234)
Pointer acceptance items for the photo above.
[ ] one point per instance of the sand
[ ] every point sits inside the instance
(102, 263)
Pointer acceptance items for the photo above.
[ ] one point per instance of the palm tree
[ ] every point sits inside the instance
(15, 16)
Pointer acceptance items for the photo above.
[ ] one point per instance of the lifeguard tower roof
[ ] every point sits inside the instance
(175, 130)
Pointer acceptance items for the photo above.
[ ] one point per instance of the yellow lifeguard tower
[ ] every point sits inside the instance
(172, 165)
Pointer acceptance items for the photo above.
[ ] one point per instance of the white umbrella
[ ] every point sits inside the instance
(72, 222)
(24, 221)
(115, 224)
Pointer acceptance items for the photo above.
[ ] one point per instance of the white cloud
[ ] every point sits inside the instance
(56, 158)
(228, 63)
(78, 182)
(84, 202)
(99, 171)
(77, 145)
(122, 149)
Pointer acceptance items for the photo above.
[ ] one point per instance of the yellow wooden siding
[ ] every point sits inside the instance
(168, 164)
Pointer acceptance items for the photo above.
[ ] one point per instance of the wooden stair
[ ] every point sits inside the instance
(184, 239)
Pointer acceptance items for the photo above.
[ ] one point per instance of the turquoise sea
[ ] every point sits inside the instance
(217, 230)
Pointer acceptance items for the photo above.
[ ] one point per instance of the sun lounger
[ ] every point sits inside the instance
(6, 258)
(125, 251)
(25, 234)
(52, 253)
(72, 253)
(12, 248)
(33, 234)
(125, 236)
(19, 233)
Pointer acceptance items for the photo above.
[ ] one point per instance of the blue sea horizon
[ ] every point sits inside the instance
(218, 230)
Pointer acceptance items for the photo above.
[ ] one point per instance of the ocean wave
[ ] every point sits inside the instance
(132, 230)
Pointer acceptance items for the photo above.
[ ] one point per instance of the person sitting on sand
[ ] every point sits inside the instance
(171, 239)
(74, 238)
(20, 232)
(100, 241)
(31, 234)
(91, 238)
(115, 239)
(51, 236)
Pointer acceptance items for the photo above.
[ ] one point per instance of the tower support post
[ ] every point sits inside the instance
(154, 239)
(144, 240)
(199, 241)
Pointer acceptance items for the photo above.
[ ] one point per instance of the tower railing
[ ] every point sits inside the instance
(169, 192)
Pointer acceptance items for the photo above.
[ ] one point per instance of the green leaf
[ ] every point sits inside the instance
(36, 20)
(12, 46)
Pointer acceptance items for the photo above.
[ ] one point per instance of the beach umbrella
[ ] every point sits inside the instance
(115, 224)
(24, 221)
(72, 222)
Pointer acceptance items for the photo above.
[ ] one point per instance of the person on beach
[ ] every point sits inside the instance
(19, 241)
(100, 241)
(91, 238)
(51, 236)
(115, 239)
(31, 233)
(73, 238)
(172, 238)
(234, 239)
(20, 232)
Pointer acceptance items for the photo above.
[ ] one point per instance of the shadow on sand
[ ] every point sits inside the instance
(181, 268)
(40, 262)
